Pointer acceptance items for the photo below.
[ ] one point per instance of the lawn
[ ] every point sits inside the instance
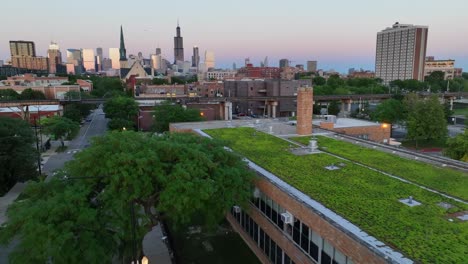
(446, 180)
(367, 198)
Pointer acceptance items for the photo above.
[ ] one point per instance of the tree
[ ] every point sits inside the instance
(335, 81)
(17, 154)
(389, 111)
(457, 147)
(426, 120)
(157, 81)
(173, 176)
(105, 86)
(8, 94)
(30, 94)
(60, 127)
(334, 108)
(319, 80)
(72, 112)
(123, 108)
(169, 113)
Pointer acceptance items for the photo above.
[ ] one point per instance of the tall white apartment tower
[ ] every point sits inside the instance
(401, 52)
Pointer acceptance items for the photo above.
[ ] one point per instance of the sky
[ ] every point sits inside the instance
(339, 34)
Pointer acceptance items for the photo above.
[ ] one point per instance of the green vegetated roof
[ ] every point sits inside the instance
(365, 197)
(448, 181)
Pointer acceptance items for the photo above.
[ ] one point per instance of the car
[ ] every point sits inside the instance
(241, 114)
(292, 122)
(254, 116)
(89, 119)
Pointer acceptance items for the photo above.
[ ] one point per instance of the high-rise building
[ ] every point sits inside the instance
(311, 66)
(195, 57)
(114, 55)
(283, 63)
(22, 48)
(89, 60)
(210, 59)
(156, 61)
(158, 51)
(178, 46)
(55, 57)
(401, 52)
(122, 51)
(99, 58)
(106, 64)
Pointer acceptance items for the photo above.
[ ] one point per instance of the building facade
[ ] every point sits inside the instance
(401, 52)
(22, 48)
(195, 57)
(89, 60)
(178, 46)
(446, 66)
(55, 57)
(210, 61)
(311, 66)
(283, 63)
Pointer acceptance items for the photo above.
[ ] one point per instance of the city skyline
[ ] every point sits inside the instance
(337, 36)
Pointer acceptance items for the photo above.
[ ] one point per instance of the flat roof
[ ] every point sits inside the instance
(348, 122)
(361, 200)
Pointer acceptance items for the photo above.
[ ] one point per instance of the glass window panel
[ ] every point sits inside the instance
(326, 259)
(327, 248)
(272, 251)
(279, 255)
(287, 259)
(262, 239)
(313, 250)
(316, 238)
(339, 257)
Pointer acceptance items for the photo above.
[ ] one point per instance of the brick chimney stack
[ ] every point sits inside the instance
(305, 102)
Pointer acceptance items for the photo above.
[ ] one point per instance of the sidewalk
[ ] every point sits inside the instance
(13, 194)
(8, 199)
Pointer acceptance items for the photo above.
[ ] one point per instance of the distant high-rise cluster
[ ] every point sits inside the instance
(400, 52)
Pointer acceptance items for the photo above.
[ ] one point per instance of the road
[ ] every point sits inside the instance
(96, 127)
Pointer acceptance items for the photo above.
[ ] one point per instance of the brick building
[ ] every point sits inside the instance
(285, 222)
(249, 71)
(252, 88)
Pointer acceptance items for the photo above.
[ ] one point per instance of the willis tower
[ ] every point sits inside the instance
(178, 46)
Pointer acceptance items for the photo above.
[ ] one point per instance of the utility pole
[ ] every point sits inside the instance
(38, 150)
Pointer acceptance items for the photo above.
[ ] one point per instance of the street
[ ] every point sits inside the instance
(96, 127)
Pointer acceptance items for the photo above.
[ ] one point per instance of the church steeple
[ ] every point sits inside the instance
(123, 51)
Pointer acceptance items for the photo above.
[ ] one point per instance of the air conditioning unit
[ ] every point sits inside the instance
(287, 218)
(237, 209)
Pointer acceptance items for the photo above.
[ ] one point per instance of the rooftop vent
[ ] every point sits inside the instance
(410, 201)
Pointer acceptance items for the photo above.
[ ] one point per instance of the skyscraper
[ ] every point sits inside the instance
(210, 59)
(114, 55)
(89, 61)
(74, 61)
(99, 58)
(311, 66)
(195, 57)
(122, 51)
(158, 51)
(22, 48)
(400, 52)
(283, 63)
(178, 46)
(55, 57)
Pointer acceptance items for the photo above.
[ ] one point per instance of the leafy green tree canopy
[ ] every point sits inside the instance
(426, 119)
(174, 176)
(30, 94)
(457, 147)
(17, 154)
(60, 127)
(122, 111)
(8, 94)
(169, 113)
(389, 111)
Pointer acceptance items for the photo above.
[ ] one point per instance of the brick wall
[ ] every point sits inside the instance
(304, 110)
(340, 240)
